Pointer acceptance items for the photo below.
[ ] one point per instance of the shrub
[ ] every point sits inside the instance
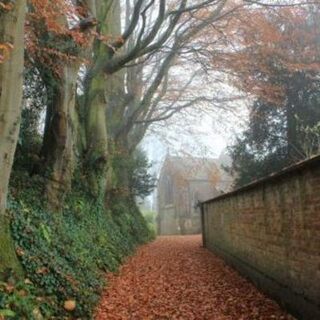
(150, 218)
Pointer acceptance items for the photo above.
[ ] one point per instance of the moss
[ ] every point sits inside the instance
(8, 259)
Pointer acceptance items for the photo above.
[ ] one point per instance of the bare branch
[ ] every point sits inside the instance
(165, 115)
(294, 4)
(134, 20)
(195, 7)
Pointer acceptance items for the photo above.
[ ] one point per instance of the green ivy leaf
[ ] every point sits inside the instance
(7, 313)
(45, 232)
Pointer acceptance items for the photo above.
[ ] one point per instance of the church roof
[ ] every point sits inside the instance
(191, 168)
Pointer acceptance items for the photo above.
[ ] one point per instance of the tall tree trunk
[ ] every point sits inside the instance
(11, 80)
(63, 128)
(115, 109)
(60, 138)
(97, 99)
(122, 167)
(96, 135)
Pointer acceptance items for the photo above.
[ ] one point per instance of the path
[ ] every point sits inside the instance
(174, 278)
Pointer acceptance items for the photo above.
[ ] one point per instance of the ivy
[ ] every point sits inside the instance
(65, 256)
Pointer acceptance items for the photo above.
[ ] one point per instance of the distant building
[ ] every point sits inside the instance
(183, 182)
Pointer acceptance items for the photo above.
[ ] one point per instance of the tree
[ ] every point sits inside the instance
(264, 44)
(262, 148)
(135, 169)
(118, 103)
(55, 52)
(11, 79)
(275, 137)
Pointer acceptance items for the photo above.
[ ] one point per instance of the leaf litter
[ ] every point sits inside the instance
(174, 278)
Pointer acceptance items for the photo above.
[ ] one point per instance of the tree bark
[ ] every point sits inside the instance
(11, 80)
(63, 132)
(59, 145)
(97, 99)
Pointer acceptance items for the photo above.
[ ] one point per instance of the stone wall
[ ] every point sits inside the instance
(270, 231)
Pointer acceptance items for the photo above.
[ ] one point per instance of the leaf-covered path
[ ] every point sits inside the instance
(174, 278)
